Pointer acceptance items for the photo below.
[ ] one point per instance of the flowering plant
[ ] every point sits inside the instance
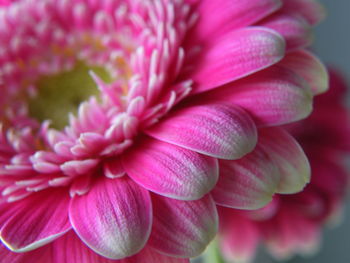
(117, 115)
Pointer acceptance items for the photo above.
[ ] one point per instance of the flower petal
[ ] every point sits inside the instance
(39, 255)
(239, 236)
(149, 255)
(114, 218)
(288, 156)
(311, 10)
(171, 170)
(220, 16)
(294, 29)
(183, 228)
(273, 97)
(238, 54)
(247, 183)
(36, 220)
(291, 232)
(69, 248)
(217, 130)
(310, 68)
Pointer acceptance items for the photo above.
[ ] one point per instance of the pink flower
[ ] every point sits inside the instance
(293, 224)
(181, 84)
(5, 2)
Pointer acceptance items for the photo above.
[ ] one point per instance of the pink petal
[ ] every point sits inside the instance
(311, 10)
(217, 130)
(78, 167)
(247, 183)
(288, 156)
(239, 237)
(113, 168)
(148, 255)
(171, 170)
(219, 16)
(36, 220)
(35, 256)
(290, 233)
(6, 211)
(238, 54)
(70, 249)
(310, 68)
(274, 96)
(114, 218)
(183, 228)
(295, 30)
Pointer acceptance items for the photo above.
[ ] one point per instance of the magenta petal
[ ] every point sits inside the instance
(239, 237)
(287, 154)
(113, 168)
(36, 220)
(41, 255)
(247, 183)
(114, 218)
(311, 10)
(70, 249)
(274, 96)
(171, 170)
(217, 130)
(220, 16)
(294, 29)
(183, 228)
(149, 255)
(238, 54)
(292, 232)
(310, 68)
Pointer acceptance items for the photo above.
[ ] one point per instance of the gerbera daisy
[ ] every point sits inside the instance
(114, 114)
(292, 224)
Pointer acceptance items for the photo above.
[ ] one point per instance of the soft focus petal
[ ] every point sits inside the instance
(183, 228)
(310, 68)
(220, 16)
(295, 30)
(291, 233)
(217, 130)
(247, 183)
(274, 96)
(287, 154)
(237, 55)
(311, 10)
(36, 221)
(114, 218)
(239, 244)
(171, 170)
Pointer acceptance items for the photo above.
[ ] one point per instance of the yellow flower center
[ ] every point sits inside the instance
(61, 94)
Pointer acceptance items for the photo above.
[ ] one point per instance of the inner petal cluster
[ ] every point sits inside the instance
(84, 80)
